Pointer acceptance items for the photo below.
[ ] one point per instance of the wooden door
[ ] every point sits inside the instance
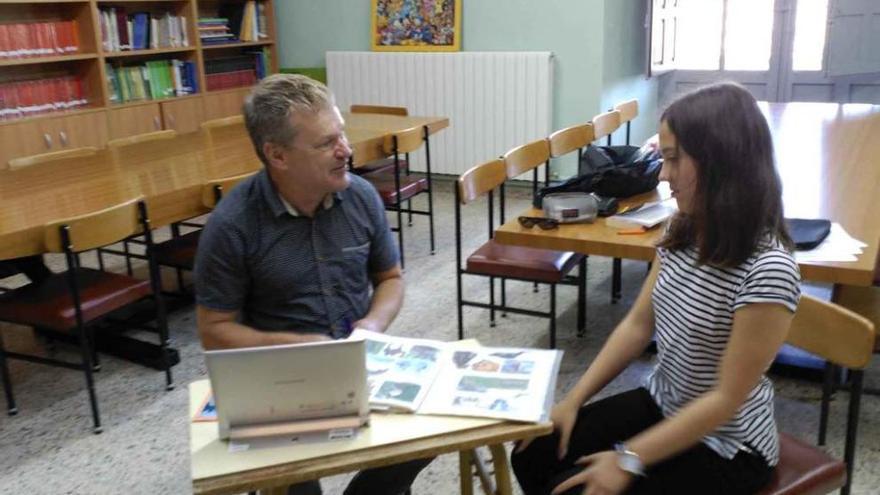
(224, 104)
(183, 115)
(130, 121)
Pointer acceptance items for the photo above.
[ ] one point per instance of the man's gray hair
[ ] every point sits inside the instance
(273, 100)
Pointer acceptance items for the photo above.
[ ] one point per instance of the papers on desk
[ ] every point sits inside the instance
(432, 377)
(838, 246)
(646, 216)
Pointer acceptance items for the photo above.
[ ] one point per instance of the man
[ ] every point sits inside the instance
(291, 255)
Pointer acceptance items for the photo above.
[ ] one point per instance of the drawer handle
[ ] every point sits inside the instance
(62, 136)
(171, 120)
(156, 123)
(48, 139)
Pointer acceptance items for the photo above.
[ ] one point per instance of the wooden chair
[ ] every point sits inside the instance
(844, 339)
(146, 137)
(179, 252)
(55, 156)
(495, 260)
(574, 138)
(385, 165)
(72, 301)
(604, 125)
(629, 110)
(396, 189)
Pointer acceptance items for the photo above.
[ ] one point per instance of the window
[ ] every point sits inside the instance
(724, 34)
(809, 34)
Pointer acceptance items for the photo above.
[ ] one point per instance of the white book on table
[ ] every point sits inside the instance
(647, 216)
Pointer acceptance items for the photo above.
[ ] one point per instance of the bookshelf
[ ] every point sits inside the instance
(63, 64)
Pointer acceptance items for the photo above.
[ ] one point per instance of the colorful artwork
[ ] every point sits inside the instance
(416, 25)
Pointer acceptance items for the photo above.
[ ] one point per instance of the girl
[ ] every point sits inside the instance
(719, 299)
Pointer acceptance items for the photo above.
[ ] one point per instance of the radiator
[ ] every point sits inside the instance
(494, 100)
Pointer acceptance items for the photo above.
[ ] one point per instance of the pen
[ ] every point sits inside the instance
(636, 231)
(630, 208)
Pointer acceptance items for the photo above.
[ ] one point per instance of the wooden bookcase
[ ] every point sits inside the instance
(101, 119)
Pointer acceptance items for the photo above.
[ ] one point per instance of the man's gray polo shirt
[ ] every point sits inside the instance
(286, 272)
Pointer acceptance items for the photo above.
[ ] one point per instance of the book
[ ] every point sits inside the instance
(647, 216)
(433, 377)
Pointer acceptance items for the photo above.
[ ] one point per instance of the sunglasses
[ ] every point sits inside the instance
(542, 222)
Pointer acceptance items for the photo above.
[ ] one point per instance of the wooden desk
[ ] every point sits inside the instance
(828, 156)
(390, 439)
(168, 173)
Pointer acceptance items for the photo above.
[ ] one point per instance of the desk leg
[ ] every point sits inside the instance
(466, 479)
(503, 485)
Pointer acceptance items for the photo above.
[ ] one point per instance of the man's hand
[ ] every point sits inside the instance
(602, 476)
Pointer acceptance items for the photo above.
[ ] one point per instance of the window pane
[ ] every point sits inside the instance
(698, 38)
(748, 35)
(809, 34)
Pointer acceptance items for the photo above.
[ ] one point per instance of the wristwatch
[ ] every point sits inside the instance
(628, 460)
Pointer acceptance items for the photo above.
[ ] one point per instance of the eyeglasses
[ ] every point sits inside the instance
(542, 222)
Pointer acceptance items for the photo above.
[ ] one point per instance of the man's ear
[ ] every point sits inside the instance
(276, 155)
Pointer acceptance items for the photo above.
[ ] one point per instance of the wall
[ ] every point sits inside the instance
(574, 30)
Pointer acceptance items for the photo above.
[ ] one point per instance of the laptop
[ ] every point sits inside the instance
(289, 389)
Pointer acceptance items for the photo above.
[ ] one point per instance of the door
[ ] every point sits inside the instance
(183, 115)
(88, 129)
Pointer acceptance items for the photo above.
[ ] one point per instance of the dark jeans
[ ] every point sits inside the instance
(603, 423)
(385, 480)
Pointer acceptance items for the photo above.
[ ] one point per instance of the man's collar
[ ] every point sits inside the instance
(279, 206)
(326, 204)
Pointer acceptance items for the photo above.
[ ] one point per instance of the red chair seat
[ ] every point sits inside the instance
(539, 265)
(178, 252)
(383, 166)
(804, 470)
(50, 304)
(409, 186)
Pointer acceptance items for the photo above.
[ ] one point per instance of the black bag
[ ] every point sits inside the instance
(807, 233)
(611, 171)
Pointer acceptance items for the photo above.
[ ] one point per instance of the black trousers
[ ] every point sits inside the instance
(385, 480)
(603, 423)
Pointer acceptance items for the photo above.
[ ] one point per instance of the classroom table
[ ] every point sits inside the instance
(168, 173)
(389, 439)
(828, 157)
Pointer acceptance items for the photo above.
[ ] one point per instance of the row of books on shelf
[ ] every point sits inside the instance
(235, 22)
(141, 30)
(26, 98)
(238, 71)
(152, 80)
(38, 39)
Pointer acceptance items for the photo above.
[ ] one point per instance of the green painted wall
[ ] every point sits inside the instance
(574, 30)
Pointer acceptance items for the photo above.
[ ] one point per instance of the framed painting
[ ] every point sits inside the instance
(416, 25)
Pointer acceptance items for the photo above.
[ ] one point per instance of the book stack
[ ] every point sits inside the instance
(215, 30)
(152, 80)
(247, 22)
(141, 30)
(235, 72)
(38, 39)
(27, 98)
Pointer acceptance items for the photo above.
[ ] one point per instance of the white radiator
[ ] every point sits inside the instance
(494, 100)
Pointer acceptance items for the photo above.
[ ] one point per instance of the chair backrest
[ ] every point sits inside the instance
(527, 157)
(571, 138)
(222, 122)
(95, 229)
(832, 332)
(382, 109)
(146, 137)
(213, 190)
(629, 110)
(408, 140)
(480, 179)
(54, 156)
(605, 124)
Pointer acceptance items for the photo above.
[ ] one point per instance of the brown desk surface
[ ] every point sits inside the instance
(168, 173)
(828, 156)
(390, 438)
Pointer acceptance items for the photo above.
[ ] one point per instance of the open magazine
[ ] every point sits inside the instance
(433, 377)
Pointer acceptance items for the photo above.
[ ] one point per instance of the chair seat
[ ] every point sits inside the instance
(804, 470)
(539, 265)
(50, 304)
(383, 166)
(178, 252)
(409, 186)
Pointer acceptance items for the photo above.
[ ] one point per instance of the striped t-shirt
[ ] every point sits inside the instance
(693, 307)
